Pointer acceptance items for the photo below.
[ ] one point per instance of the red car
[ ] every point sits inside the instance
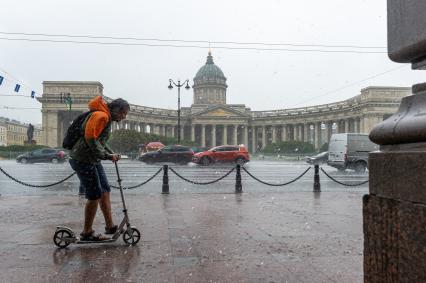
(223, 153)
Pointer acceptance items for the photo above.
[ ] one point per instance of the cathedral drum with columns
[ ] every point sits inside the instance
(210, 121)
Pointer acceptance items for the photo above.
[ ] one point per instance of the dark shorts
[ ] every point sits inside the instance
(92, 178)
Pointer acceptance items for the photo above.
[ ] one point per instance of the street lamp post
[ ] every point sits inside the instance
(178, 85)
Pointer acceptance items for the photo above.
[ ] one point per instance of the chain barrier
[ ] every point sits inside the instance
(141, 184)
(344, 184)
(201, 183)
(34, 186)
(276, 185)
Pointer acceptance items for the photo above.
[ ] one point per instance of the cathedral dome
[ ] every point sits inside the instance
(209, 70)
(209, 84)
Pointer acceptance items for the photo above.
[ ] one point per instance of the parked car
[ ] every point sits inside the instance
(171, 153)
(317, 159)
(350, 151)
(43, 155)
(223, 153)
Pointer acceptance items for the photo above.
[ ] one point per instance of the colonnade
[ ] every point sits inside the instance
(255, 137)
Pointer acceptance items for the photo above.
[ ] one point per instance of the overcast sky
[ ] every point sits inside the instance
(261, 79)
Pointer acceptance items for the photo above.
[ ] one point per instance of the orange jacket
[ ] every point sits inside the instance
(98, 119)
(93, 146)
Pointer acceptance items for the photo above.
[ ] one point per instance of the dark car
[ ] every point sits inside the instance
(43, 155)
(172, 153)
(317, 159)
(223, 153)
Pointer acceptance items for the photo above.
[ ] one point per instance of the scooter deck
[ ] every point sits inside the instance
(91, 242)
(79, 241)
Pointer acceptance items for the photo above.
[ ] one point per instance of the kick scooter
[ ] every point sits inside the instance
(64, 235)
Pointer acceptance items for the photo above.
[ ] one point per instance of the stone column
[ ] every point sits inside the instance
(50, 122)
(305, 132)
(213, 135)
(245, 135)
(346, 125)
(361, 125)
(295, 138)
(283, 133)
(193, 132)
(274, 134)
(337, 130)
(253, 139)
(329, 125)
(182, 132)
(225, 135)
(299, 132)
(203, 135)
(172, 131)
(235, 135)
(263, 137)
(317, 135)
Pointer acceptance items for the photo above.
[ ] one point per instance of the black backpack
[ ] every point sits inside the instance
(75, 131)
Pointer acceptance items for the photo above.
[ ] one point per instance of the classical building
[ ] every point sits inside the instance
(13, 132)
(3, 133)
(210, 121)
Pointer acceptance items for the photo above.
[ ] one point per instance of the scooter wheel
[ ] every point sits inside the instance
(59, 237)
(133, 238)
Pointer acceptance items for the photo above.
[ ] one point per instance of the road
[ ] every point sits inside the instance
(135, 172)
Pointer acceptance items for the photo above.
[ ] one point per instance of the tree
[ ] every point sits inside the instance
(125, 141)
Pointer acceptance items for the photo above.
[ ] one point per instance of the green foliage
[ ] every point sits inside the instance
(12, 151)
(21, 148)
(124, 141)
(289, 147)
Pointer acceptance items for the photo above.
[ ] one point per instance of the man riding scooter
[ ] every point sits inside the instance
(86, 156)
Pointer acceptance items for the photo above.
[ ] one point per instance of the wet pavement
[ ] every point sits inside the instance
(211, 235)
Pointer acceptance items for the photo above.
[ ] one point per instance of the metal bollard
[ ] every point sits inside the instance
(238, 185)
(165, 189)
(317, 184)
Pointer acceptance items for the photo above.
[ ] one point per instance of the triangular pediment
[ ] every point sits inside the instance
(219, 112)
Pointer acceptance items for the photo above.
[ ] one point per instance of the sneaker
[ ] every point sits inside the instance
(111, 230)
(92, 237)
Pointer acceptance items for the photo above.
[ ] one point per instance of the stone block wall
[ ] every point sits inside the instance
(395, 216)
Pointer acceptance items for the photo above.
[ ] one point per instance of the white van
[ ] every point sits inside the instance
(350, 151)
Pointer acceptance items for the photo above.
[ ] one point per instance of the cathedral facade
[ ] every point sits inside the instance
(210, 121)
